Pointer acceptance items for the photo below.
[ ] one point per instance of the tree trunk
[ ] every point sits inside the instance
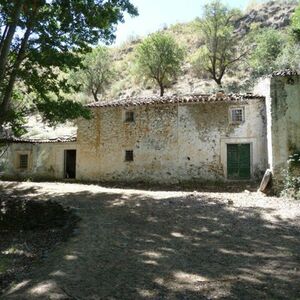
(162, 89)
(3, 37)
(95, 93)
(9, 88)
(8, 38)
(219, 82)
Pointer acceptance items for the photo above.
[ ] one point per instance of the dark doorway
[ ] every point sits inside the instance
(70, 164)
(238, 161)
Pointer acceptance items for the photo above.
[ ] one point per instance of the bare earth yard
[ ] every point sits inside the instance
(137, 244)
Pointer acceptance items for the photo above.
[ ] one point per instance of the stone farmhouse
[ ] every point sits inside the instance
(173, 139)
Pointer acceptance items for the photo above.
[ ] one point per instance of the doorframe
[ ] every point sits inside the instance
(253, 154)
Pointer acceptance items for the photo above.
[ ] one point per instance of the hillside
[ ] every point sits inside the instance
(275, 14)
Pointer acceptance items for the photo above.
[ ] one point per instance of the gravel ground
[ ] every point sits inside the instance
(139, 244)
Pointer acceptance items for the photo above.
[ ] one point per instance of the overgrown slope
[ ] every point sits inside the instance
(274, 14)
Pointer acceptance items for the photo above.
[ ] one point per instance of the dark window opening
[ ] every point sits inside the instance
(23, 161)
(70, 164)
(129, 116)
(129, 155)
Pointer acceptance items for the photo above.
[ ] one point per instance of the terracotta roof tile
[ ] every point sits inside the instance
(40, 141)
(287, 72)
(195, 98)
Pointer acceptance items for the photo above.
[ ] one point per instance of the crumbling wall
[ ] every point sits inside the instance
(171, 142)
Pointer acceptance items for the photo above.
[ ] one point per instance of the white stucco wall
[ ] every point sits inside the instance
(45, 160)
(263, 87)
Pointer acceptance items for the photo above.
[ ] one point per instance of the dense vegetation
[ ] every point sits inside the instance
(42, 40)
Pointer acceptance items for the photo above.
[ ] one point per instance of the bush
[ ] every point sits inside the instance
(291, 177)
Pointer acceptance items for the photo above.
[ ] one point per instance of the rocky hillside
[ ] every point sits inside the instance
(274, 14)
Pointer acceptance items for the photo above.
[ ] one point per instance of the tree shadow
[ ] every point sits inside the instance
(168, 246)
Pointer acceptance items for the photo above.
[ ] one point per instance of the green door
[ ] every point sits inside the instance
(238, 161)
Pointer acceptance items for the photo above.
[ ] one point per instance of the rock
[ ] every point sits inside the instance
(265, 181)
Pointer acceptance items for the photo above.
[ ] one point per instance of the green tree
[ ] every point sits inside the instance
(97, 72)
(268, 47)
(41, 39)
(289, 57)
(219, 50)
(159, 58)
(295, 24)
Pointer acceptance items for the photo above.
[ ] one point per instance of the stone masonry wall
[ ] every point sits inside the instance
(171, 143)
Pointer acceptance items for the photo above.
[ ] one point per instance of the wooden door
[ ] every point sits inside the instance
(238, 161)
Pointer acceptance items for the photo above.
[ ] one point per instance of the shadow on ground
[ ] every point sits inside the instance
(136, 246)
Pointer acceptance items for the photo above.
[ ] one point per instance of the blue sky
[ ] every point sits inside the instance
(154, 14)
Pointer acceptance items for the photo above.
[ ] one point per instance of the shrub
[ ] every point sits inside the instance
(291, 177)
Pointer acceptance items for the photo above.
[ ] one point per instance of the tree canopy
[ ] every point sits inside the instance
(268, 47)
(159, 58)
(97, 72)
(41, 39)
(219, 49)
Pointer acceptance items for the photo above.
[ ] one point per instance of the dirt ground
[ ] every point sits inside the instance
(139, 244)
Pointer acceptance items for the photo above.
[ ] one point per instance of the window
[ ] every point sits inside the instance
(24, 161)
(129, 155)
(237, 115)
(129, 116)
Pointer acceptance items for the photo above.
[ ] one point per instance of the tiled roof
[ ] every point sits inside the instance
(287, 72)
(195, 98)
(39, 141)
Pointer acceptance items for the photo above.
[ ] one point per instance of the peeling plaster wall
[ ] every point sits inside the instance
(285, 120)
(45, 160)
(171, 143)
(263, 87)
(283, 114)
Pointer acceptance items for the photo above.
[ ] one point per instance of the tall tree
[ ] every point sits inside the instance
(39, 40)
(219, 50)
(159, 58)
(97, 72)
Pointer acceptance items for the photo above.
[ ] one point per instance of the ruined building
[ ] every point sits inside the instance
(173, 139)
